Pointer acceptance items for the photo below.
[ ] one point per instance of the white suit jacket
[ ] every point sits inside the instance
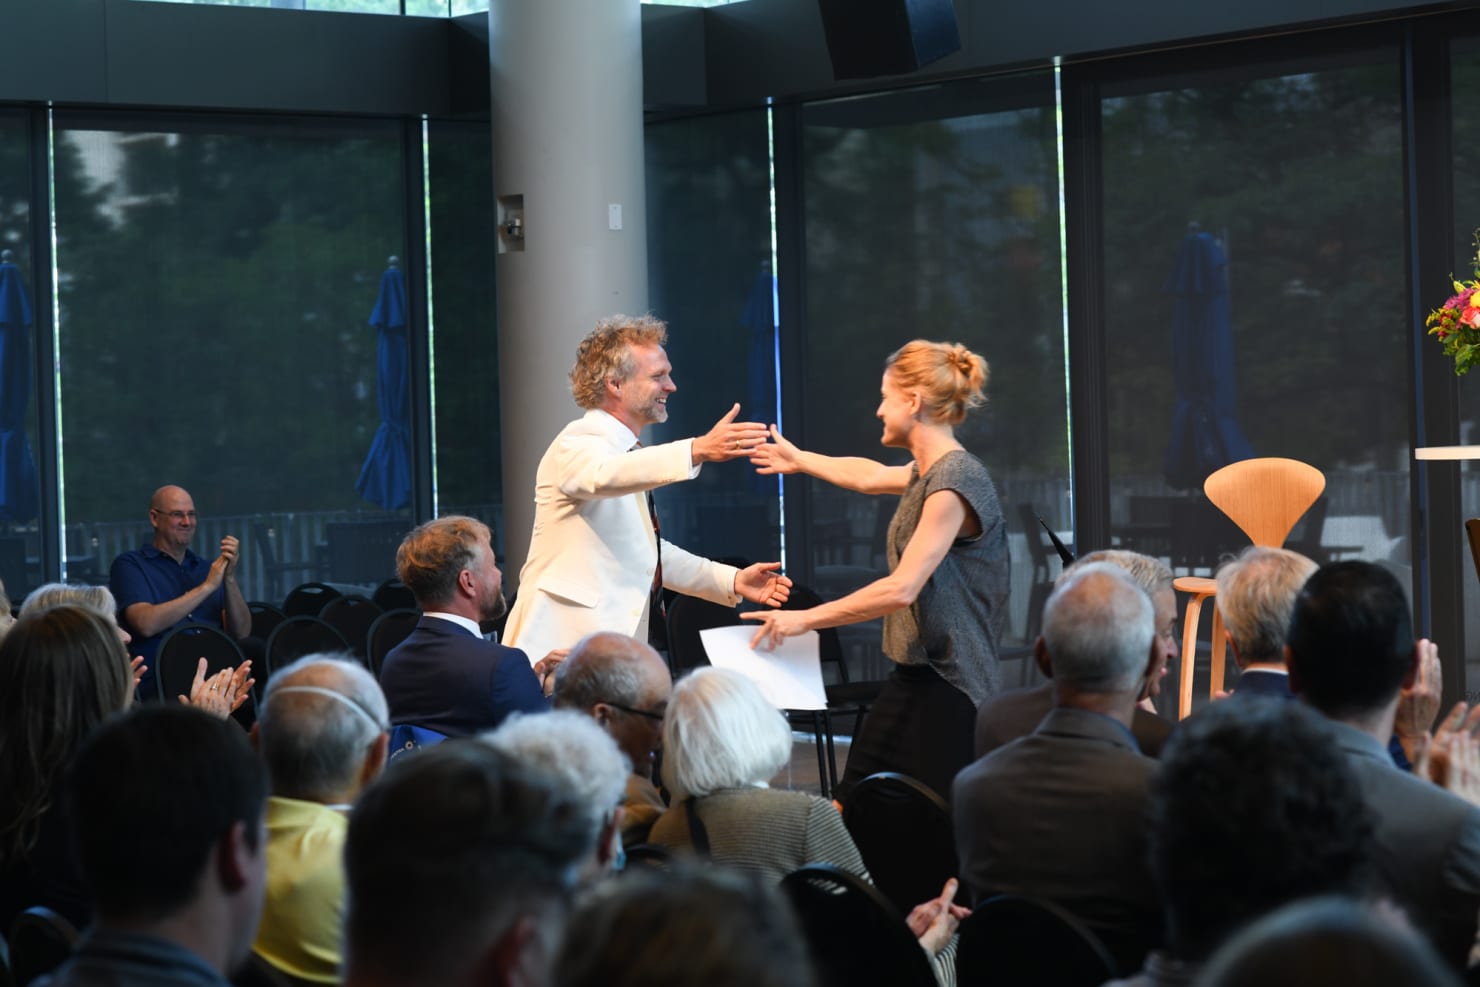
(593, 552)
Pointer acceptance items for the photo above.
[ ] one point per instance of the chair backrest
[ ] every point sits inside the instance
(179, 656)
(394, 595)
(687, 616)
(1472, 531)
(389, 630)
(1265, 497)
(407, 737)
(904, 833)
(1010, 941)
(299, 636)
(40, 941)
(829, 644)
(308, 599)
(352, 615)
(854, 934)
(265, 617)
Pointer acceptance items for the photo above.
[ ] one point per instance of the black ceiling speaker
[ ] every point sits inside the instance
(866, 38)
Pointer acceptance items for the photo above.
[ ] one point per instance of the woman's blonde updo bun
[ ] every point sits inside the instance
(949, 378)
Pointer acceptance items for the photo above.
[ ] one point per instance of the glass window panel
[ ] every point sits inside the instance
(934, 214)
(1464, 80)
(1286, 189)
(709, 251)
(465, 315)
(20, 540)
(217, 282)
(344, 6)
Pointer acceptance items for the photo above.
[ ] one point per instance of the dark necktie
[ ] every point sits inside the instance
(657, 631)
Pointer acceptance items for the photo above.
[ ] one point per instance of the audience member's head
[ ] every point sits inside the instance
(569, 750)
(1256, 595)
(1328, 942)
(7, 616)
(696, 926)
(624, 685)
(62, 672)
(721, 733)
(606, 354)
(167, 802)
(448, 564)
(459, 864)
(1350, 640)
(1155, 580)
(1098, 632)
(322, 729)
(1254, 807)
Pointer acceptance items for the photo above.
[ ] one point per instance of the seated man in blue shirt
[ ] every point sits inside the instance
(164, 584)
(445, 677)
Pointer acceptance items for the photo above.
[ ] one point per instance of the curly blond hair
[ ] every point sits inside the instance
(949, 377)
(606, 352)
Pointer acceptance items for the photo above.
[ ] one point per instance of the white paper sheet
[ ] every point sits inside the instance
(790, 677)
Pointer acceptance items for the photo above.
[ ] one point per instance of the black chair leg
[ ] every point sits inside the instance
(832, 757)
(822, 777)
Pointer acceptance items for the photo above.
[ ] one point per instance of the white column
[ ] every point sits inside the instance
(566, 80)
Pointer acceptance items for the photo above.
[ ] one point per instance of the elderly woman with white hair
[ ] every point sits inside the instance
(722, 743)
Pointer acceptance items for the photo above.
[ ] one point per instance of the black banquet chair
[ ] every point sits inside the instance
(40, 941)
(308, 599)
(1012, 941)
(687, 616)
(352, 616)
(179, 656)
(265, 617)
(393, 594)
(299, 636)
(854, 934)
(904, 833)
(389, 630)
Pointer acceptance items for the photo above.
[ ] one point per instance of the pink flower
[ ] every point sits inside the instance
(1471, 317)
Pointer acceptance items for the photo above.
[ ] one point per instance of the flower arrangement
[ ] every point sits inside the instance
(1457, 321)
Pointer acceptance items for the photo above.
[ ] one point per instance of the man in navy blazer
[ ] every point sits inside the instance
(445, 676)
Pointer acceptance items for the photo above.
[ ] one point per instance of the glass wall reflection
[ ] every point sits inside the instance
(709, 278)
(1465, 77)
(934, 213)
(218, 281)
(1255, 304)
(20, 282)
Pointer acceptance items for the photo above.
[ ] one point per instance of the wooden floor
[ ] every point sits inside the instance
(801, 773)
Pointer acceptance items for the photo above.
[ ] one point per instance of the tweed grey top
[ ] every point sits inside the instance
(956, 621)
(764, 831)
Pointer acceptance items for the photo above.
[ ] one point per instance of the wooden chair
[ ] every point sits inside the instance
(1264, 497)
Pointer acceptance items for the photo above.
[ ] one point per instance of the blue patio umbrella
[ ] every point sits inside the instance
(385, 479)
(1205, 433)
(18, 494)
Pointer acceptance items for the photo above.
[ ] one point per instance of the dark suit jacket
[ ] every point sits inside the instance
(1428, 845)
(445, 678)
(1059, 815)
(1016, 713)
(1263, 684)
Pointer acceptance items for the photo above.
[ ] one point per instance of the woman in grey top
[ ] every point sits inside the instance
(945, 597)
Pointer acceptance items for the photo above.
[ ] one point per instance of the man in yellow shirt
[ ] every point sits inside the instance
(323, 733)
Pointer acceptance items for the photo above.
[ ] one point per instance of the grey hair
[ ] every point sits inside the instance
(1099, 626)
(572, 752)
(96, 599)
(320, 715)
(603, 667)
(720, 732)
(1152, 575)
(1256, 596)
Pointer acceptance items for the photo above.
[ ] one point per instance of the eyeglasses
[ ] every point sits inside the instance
(655, 717)
(178, 515)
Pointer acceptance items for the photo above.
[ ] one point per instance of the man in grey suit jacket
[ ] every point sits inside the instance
(1059, 814)
(596, 557)
(1351, 652)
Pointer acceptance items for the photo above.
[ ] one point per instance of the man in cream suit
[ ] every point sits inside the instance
(595, 557)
